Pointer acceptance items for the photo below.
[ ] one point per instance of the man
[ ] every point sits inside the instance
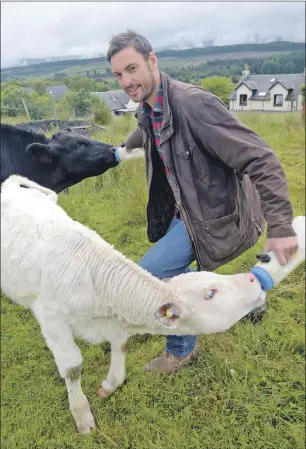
(211, 180)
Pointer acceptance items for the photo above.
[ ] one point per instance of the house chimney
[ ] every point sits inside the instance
(246, 71)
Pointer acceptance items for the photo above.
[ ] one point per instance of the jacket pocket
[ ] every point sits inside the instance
(222, 233)
(191, 161)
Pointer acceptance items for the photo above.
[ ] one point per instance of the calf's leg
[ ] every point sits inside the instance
(116, 374)
(68, 358)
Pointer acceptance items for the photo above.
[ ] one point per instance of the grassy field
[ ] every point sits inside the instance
(245, 390)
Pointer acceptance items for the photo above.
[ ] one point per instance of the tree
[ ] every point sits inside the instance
(289, 67)
(78, 82)
(220, 86)
(40, 106)
(11, 100)
(101, 86)
(102, 114)
(270, 67)
(78, 103)
(39, 87)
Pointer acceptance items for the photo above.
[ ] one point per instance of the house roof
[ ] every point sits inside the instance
(287, 84)
(261, 85)
(56, 92)
(115, 99)
(249, 84)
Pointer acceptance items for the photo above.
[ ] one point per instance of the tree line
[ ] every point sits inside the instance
(56, 67)
(285, 63)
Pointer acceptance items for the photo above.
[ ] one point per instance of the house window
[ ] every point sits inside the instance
(278, 100)
(243, 100)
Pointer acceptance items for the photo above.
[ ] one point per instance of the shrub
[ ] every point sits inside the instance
(102, 114)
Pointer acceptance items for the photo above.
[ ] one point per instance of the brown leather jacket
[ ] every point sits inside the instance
(225, 179)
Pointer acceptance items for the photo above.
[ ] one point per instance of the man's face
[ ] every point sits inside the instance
(135, 75)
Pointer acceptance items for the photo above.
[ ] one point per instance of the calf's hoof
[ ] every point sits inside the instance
(103, 394)
(86, 425)
(84, 422)
(106, 389)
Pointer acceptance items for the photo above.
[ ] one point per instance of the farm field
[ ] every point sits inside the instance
(246, 390)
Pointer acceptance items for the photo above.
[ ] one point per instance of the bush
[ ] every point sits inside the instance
(77, 103)
(102, 115)
(40, 106)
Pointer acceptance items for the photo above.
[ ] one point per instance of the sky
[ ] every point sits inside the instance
(47, 29)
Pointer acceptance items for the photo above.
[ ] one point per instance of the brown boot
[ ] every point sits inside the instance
(169, 363)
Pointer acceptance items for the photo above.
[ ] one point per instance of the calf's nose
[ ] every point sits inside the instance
(251, 277)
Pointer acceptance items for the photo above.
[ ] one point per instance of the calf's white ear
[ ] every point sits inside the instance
(168, 315)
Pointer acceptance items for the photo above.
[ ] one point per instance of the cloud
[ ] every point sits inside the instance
(45, 29)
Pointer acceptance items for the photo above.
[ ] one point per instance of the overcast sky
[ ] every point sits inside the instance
(45, 29)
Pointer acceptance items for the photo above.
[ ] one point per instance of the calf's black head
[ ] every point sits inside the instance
(73, 157)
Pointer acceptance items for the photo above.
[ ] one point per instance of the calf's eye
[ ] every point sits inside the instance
(210, 293)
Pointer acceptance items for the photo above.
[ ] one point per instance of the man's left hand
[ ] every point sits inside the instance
(283, 247)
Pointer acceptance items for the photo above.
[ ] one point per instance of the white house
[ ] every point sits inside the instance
(270, 93)
(118, 102)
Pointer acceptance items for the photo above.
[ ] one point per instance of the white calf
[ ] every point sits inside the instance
(77, 284)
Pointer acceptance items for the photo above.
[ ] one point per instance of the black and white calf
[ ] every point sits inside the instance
(59, 162)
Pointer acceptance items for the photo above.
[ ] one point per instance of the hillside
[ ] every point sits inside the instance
(168, 58)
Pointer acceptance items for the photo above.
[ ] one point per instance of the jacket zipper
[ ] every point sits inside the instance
(187, 225)
(190, 232)
(142, 123)
(180, 206)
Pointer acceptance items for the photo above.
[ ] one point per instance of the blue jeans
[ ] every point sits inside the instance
(171, 256)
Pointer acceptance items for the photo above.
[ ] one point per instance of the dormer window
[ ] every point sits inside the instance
(243, 100)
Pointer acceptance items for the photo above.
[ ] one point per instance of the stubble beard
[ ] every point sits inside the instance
(146, 92)
(150, 89)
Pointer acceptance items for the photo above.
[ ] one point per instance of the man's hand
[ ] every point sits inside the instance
(284, 248)
(124, 154)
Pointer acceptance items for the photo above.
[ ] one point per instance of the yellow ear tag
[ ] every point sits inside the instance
(169, 314)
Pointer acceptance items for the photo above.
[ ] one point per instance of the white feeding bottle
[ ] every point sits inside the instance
(269, 271)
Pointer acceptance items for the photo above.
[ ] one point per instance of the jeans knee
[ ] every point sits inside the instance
(152, 266)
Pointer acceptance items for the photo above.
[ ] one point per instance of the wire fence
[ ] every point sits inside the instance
(35, 110)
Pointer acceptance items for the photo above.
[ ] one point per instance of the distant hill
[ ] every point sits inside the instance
(166, 57)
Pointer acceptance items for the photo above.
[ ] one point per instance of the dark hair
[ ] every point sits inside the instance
(129, 38)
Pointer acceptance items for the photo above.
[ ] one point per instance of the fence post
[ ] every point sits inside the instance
(26, 109)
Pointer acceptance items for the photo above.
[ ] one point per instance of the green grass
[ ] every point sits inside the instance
(245, 390)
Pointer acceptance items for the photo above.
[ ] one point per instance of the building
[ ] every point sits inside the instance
(56, 92)
(268, 93)
(118, 102)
